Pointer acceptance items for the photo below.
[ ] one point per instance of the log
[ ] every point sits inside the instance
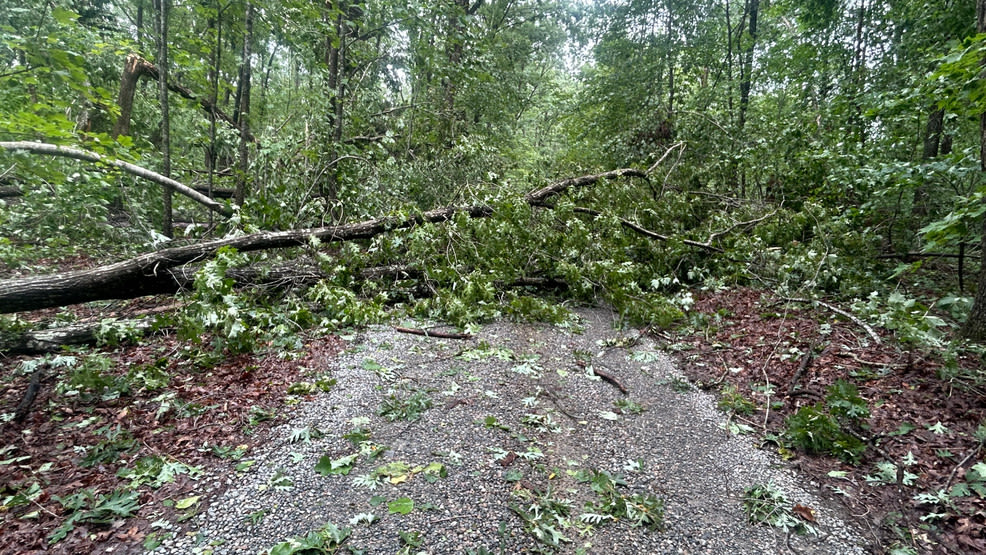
(147, 274)
(85, 155)
(53, 340)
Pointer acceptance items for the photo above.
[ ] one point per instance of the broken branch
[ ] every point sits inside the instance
(840, 312)
(87, 156)
(430, 333)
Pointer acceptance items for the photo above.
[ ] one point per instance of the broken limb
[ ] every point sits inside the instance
(869, 330)
(87, 156)
(430, 333)
(611, 379)
(139, 276)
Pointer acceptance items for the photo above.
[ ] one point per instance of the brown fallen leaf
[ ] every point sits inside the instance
(510, 458)
(806, 513)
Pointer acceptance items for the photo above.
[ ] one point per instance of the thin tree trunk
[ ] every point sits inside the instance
(930, 150)
(162, 62)
(211, 155)
(244, 108)
(975, 325)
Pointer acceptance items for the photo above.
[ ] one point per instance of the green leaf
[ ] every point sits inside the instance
(64, 16)
(187, 502)
(326, 465)
(401, 506)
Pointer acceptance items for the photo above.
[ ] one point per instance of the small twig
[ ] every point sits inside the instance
(430, 333)
(805, 364)
(972, 453)
(840, 312)
(670, 149)
(856, 358)
(610, 378)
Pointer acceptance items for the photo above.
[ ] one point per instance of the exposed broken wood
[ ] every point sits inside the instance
(433, 333)
(142, 275)
(85, 155)
(135, 67)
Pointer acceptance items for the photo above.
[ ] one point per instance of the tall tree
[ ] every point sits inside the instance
(161, 26)
(243, 104)
(975, 324)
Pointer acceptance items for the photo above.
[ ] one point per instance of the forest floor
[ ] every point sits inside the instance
(211, 414)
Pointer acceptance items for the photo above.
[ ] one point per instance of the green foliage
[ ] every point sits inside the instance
(844, 402)
(118, 442)
(767, 504)
(155, 470)
(731, 400)
(88, 507)
(639, 509)
(404, 405)
(814, 430)
(544, 515)
(93, 378)
(326, 540)
(825, 429)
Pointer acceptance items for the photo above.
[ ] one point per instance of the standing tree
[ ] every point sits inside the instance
(161, 26)
(975, 325)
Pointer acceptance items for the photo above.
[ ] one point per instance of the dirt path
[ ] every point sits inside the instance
(514, 436)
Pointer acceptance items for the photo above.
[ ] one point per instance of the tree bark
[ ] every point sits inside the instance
(931, 147)
(85, 155)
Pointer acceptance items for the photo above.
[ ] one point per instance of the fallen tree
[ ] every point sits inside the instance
(163, 271)
(85, 155)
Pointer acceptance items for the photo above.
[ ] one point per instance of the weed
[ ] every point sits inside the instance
(326, 540)
(405, 406)
(628, 406)
(813, 430)
(733, 401)
(86, 506)
(766, 504)
(92, 380)
(118, 442)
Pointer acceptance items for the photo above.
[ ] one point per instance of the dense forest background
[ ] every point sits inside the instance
(457, 160)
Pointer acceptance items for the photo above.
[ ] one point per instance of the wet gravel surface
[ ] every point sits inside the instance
(517, 418)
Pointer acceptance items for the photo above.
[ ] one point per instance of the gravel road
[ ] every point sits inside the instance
(517, 418)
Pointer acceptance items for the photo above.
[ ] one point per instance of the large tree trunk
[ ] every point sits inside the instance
(142, 275)
(975, 325)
